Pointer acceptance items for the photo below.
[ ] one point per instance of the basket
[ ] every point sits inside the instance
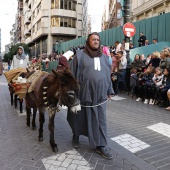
(14, 72)
(21, 89)
(33, 79)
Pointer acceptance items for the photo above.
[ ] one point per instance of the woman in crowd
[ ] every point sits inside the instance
(155, 60)
(165, 60)
(137, 63)
(148, 59)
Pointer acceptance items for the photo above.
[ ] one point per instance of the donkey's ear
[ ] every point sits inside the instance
(56, 74)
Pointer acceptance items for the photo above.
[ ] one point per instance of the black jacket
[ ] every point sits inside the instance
(142, 40)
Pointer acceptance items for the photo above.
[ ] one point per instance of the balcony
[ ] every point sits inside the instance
(39, 33)
(63, 13)
(27, 21)
(29, 14)
(28, 40)
(63, 30)
(29, 26)
(27, 33)
(147, 6)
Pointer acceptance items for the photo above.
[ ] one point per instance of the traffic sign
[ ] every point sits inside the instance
(129, 29)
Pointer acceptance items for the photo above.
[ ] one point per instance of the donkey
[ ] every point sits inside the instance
(52, 90)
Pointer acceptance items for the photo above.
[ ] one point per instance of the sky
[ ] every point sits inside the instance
(97, 13)
(8, 9)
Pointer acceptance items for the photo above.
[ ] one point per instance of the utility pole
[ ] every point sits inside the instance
(127, 16)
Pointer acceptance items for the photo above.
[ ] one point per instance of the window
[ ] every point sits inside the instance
(54, 4)
(67, 5)
(63, 22)
(55, 22)
(38, 25)
(38, 8)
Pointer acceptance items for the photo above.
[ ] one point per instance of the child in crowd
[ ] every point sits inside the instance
(157, 82)
(115, 80)
(144, 82)
(133, 80)
(162, 90)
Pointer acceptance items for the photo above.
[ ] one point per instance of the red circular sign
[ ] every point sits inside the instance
(129, 29)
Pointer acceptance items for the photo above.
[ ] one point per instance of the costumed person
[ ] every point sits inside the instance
(1, 67)
(20, 59)
(91, 68)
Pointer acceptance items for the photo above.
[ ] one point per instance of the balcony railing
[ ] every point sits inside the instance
(148, 6)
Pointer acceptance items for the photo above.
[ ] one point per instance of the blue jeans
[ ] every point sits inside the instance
(122, 77)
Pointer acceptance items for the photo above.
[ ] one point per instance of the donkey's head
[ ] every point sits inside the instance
(68, 89)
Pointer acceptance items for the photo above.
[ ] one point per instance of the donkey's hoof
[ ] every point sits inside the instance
(40, 139)
(55, 149)
(21, 111)
(33, 127)
(28, 124)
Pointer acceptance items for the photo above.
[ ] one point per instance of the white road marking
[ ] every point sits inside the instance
(161, 128)
(130, 143)
(116, 98)
(68, 160)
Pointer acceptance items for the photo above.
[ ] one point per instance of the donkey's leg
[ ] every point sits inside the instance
(33, 118)
(12, 99)
(28, 110)
(41, 121)
(20, 105)
(15, 100)
(51, 128)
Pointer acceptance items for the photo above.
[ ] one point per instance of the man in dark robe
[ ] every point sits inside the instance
(92, 70)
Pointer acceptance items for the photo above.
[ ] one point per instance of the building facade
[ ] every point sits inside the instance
(85, 18)
(112, 14)
(48, 22)
(143, 9)
(20, 23)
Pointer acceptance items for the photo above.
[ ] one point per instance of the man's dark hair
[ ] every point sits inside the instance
(120, 52)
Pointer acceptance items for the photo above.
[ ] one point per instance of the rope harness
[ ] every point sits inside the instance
(96, 104)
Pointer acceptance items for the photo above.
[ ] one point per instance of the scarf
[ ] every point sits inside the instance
(91, 52)
(23, 55)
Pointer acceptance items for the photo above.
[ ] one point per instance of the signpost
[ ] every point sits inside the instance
(129, 30)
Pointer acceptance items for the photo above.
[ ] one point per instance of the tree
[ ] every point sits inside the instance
(13, 51)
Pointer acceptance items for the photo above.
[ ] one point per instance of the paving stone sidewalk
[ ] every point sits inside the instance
(20, 149)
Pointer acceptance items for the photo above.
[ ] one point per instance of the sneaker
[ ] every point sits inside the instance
(168, 108)
(75, 141)
(146, 101)
(151, 101)
(104, 152)
(138, 99)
